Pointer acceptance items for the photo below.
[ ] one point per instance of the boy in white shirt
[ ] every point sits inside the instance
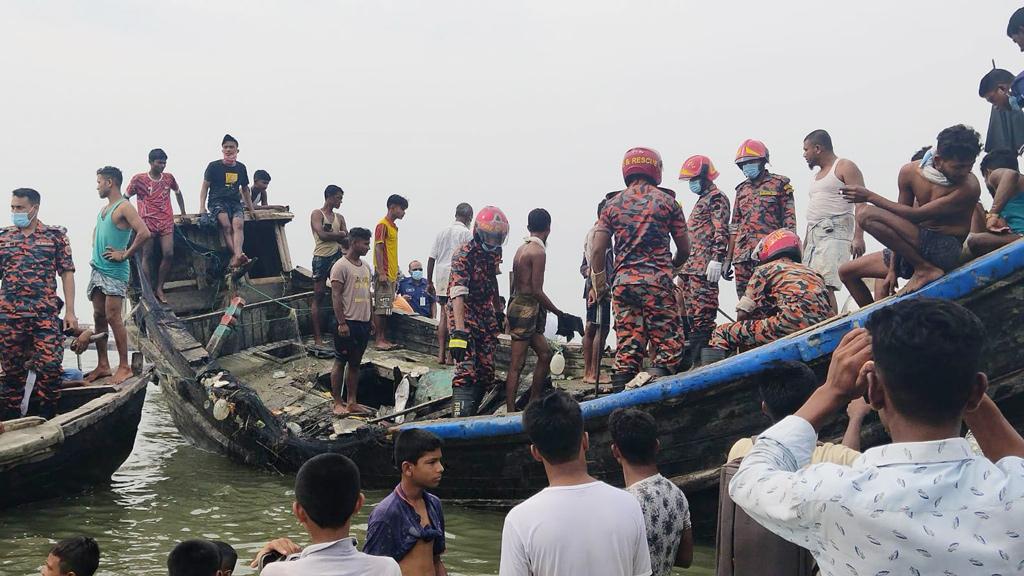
(327, 498)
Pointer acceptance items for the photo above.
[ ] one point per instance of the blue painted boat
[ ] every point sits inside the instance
(702, 412)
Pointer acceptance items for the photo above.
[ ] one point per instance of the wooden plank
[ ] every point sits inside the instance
(282, 248)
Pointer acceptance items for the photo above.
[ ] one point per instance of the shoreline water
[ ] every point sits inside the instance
(168, 491)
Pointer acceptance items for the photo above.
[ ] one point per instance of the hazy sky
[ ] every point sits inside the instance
(516, 104)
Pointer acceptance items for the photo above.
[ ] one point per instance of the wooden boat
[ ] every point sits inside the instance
(264, 399)
(273, 411)
(90, 438)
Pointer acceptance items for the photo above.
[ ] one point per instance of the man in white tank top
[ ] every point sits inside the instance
(833, 235)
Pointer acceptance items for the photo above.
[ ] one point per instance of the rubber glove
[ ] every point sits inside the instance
(714, 271)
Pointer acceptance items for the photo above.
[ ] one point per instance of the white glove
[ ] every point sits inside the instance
(714, 272)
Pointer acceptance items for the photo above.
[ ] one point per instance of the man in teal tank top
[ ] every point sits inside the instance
(1004, 223)
(108, 283)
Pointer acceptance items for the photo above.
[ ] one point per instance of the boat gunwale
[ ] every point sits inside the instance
(815, 342)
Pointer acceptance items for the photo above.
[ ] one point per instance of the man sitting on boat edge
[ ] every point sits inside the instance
(925, 230)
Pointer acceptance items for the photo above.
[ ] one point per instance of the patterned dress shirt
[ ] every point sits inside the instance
(911, 508)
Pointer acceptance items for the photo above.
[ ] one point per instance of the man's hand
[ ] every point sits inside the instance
(115, 255)
(70, 322)
(857, 194)
(858, 409)
(458, 345)
(430, 289)
(996, 224)
(343, 330)
(282, 546)
(889, 284)
(202, 209)
(857, 248)
(849, 370)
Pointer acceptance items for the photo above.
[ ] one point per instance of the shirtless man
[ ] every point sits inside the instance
(528, 309)
(1004, 223)
(923, 232)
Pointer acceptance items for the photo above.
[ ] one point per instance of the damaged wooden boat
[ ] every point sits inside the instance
(261, 394)
(89, 439)
(262, 401)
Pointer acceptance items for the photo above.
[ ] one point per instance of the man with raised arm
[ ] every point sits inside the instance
(925, 229)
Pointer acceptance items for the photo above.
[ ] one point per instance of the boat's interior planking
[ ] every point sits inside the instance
(268, 349)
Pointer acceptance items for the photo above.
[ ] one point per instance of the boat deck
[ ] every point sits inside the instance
(294, 384)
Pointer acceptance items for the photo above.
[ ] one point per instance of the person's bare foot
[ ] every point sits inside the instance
(589, 380)
(921, 278)
(160, 296)
(384, 345)
(339, 409)
(357, 409)
(123, 373)
(97, 373)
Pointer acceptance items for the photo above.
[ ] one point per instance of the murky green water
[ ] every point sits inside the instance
(169, 491)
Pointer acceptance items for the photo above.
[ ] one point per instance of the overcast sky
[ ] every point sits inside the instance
(515, 104)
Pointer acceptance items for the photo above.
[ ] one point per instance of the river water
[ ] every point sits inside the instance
(168, 491)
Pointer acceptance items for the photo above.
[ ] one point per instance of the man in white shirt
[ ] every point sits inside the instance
(832, 231)
(925, 504)
(445, 244)
(577, 525)
(327, 498)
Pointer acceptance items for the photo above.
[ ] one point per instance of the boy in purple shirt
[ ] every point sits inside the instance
(408, 525)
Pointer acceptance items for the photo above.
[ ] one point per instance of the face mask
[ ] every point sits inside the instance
(696, 186)
(417, 274)
(1014, 103)
(230, 157)
(20, 219)
(751, 170)
(488, 248)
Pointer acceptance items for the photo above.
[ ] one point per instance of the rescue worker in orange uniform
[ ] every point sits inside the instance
(764, 203)
(708, 226)
(783, 297)
(642, 219)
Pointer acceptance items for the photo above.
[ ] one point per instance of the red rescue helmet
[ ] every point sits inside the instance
(644, 162)
(491, 226)
(698, 167)
(780, 243)
(751, 150)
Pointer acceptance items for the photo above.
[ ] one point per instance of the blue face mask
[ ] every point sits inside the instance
(417, 274)
(488, 248)
(751, 170)
(20, 219)
(696, 186)
(1014, 103)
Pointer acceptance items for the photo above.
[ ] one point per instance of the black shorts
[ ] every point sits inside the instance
(322, 265)
(442, 300)
(940, 250)
(606, 313)
(353, 346)
(229, 206)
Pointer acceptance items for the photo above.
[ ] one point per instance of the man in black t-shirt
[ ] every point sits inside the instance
(226, 185)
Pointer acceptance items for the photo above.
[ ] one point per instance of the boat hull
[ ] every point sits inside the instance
(93, 448)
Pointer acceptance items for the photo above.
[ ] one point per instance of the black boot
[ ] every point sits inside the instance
(620, 379)
(698, 342)
(465, 401)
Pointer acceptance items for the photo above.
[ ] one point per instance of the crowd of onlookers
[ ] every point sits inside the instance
(929, 501)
